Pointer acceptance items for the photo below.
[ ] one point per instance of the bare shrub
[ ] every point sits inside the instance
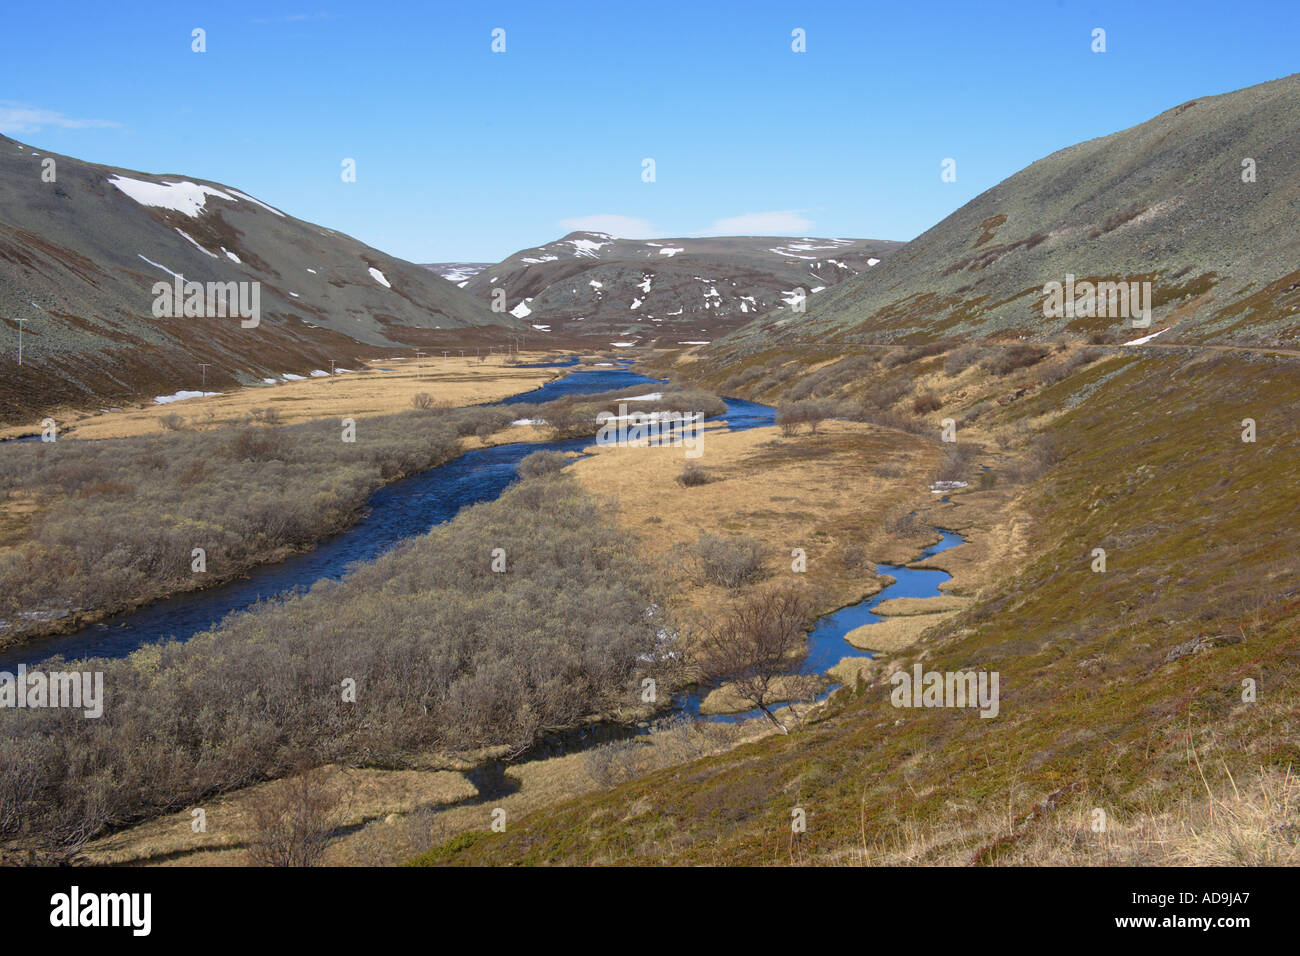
(1007, 360)
(171, 422)
(728, 561)
(693, 475)
(960, 359)
(886, 394)
(958, 462)
(256, 445)
(759, 639)
(292, 819)
(811, 413)
(610, 764)
(422, 400)
(541, 463)
(926, 402)
(912, 354)
(559, 639)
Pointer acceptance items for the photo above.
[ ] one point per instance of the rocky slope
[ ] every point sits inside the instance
(79, 257)
(668, 291)
(1201, 201)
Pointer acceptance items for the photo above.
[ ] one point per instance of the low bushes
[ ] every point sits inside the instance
(693, 475)
(442, 651)
(727, 561)
(1004, 361)
(242, 493)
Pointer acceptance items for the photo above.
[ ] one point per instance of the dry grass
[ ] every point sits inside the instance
(1252, 822)
(359, 394)
(893, 635)
(366, 795)
(912, 607)
(810, 492)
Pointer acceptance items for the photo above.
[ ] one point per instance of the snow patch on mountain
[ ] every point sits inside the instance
(184, 197)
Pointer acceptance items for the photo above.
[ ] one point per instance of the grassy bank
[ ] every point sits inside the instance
(1121, 691)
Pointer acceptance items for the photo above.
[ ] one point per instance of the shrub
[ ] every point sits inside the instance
(292, 820)
(926, 402)
(422, 400)
(960, 359)
(542, 463)
(729, 562)
(811, 413)
(1013, 357)
(557, 640)
(171, 422)
(957, 464)
(693, 475)
(886, 394)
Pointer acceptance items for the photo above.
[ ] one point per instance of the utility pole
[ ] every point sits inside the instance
(331, 366)
(418, 367)
(462, 353)
(20, 340)
(444, 359)
(204, 366)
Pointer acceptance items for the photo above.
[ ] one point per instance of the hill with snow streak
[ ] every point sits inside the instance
(80, 255)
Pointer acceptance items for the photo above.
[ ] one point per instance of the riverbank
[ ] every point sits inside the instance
(379, 387)
(391, 827)
(300, 486)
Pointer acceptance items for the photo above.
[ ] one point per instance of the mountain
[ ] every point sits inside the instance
(667, 291)
(1165, 202)
(80, 255)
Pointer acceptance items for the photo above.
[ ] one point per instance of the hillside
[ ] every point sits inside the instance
(1132, 691)
(1163, 202)
(668, 291)
(79, 257)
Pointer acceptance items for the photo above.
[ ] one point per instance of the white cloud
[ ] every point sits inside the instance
(624, 227)
(781, 222)
(20, 118)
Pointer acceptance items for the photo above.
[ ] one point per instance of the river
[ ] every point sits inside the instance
(408, 507)
(412, 506)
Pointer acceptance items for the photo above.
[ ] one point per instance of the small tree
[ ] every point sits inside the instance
(292, 820)
(760, 639)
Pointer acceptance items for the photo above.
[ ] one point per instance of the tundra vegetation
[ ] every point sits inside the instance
(425, 649)
(1160, 691)
(113, 523)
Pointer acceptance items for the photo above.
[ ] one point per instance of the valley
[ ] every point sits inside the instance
(727, 545)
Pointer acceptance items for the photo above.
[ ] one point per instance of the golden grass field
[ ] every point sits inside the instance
(365, 392)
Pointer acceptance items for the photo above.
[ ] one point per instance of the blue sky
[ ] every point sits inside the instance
(466, 154)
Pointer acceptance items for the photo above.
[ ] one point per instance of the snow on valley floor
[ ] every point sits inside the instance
(182, 396)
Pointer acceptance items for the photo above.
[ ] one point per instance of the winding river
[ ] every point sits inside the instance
(414, 505)
(395, 512)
